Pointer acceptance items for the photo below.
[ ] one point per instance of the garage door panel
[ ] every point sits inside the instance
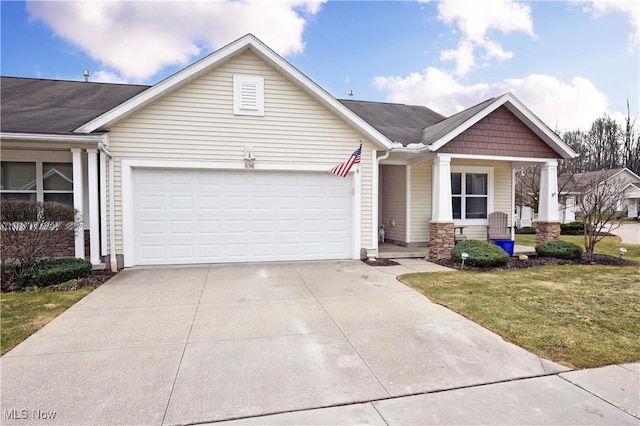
(204, 216)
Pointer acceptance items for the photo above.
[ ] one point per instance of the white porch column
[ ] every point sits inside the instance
(441, 227)
(441, 192)
(103, 203)
(94, 217)
(548, 204)
(78, 201)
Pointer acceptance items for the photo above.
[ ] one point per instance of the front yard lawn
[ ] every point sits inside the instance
(24, 313)
(580, 316)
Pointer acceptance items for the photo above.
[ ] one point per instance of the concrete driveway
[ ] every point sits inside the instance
(317, 342)
(629, 232)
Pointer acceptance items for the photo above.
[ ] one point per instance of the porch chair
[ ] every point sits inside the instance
(498, 228)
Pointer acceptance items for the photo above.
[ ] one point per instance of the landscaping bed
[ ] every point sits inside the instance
(380, 262)
(533, 260)
(96, 279)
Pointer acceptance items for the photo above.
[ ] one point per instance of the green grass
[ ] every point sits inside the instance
(580, 316)
(24, 313)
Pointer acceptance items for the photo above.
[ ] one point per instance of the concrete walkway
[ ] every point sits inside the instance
(301, 343)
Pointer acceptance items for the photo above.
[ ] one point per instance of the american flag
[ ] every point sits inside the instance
(342, 169)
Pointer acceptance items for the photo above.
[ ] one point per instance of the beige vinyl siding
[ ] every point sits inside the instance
(420, 201)
(196, 122)
(501, 191)
(394, 202)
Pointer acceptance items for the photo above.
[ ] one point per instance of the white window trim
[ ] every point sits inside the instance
(239, 108)
(490, 189)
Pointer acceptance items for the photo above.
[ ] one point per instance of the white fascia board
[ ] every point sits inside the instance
(523, 113)
(536, 160)
(635, 176)
(219, 57)
(37, 137)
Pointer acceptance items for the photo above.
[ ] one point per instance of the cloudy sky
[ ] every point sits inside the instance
(568, 61)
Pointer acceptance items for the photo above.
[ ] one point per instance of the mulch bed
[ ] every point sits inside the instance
(380, 262)
(515, 263)
(95, 280)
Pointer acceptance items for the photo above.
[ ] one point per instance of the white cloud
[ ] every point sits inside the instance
(631, 8)
(562, 105)
(476, 20)
(136, 39)
(102, 76)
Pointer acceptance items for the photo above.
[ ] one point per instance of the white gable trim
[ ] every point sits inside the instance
(634, 176)
(222, 55)
(523, 113)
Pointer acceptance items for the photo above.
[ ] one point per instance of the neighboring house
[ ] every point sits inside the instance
(578, 184)
(227, 160)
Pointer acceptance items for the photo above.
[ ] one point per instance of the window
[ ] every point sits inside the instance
(57, 182)
(248, 94)
(469, 195)
(19, 180)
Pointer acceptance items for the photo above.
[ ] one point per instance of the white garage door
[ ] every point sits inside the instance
(184, 216)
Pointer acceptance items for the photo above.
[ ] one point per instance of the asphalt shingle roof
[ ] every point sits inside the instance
(438, 130)
(577, 181)
(398, 122)
(43, 106)
(30, 105)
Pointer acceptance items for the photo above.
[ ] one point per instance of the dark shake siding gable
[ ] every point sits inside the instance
(500, 133)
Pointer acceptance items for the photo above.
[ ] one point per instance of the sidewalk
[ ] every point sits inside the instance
(605, 396)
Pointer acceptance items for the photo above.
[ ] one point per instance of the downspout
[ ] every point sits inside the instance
(113, 261)
(376, 191)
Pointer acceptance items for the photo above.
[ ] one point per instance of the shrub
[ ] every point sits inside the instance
(559, 249)
(573, 228)
(55, 271)
(480, 253)
(28, 230)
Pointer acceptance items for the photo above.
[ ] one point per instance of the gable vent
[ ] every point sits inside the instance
(248, 95)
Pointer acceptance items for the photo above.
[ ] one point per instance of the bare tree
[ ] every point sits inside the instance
(528, 186)
(598, 201)
(631, 143)
(29, 229)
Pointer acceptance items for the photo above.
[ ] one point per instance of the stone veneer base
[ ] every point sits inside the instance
(441, 239)
(547, 231)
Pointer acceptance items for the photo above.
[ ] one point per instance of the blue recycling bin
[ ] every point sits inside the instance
(506, 245)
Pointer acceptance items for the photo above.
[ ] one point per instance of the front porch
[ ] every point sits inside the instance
(65, 170)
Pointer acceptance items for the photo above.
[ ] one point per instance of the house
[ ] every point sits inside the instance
(226, 161)
(573, 187)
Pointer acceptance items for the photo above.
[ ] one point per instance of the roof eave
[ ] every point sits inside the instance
(44, 137)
